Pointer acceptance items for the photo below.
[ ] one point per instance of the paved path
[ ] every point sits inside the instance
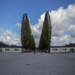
(38, 64)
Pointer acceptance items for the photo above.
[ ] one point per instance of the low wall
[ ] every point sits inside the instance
(10, 49)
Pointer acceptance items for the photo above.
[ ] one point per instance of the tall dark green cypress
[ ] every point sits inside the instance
(27, 39)
(45, 39)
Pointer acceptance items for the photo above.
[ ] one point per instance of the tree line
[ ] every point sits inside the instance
(27, 38)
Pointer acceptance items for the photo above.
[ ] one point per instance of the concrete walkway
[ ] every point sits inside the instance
(37, 64)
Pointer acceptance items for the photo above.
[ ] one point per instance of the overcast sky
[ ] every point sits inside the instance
(62, 13)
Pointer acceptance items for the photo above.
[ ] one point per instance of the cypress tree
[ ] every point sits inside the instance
(45, 39)
(27, 39)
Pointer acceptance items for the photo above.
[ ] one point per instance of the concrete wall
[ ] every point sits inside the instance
(11, 49)
(61, 49)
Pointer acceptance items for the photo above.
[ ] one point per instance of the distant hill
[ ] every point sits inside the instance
(14, 46)
(6, 45)
(70, 45)
(3, 44)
